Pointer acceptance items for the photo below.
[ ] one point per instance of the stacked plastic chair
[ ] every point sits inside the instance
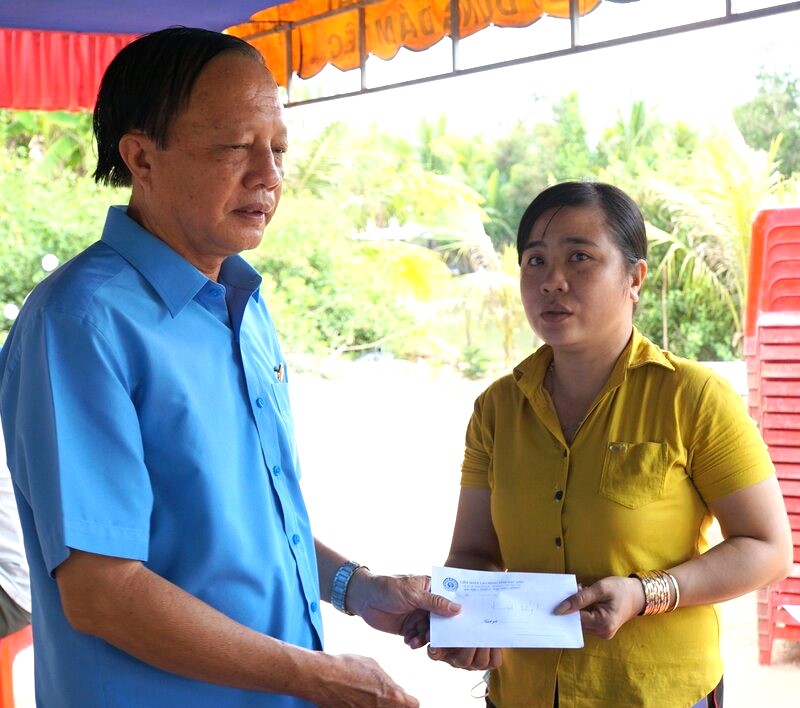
(10, 646)
(772, 351)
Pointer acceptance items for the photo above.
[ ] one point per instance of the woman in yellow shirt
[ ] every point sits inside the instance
(604, 456)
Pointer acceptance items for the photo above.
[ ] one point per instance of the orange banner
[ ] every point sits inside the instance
(389, 25)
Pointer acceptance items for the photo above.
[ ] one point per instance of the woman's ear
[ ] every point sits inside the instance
(637, 278)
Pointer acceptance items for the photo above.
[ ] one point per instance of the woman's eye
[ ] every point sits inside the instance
(580, 256)
(535, 260)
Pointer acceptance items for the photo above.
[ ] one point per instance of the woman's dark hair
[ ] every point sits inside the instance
(147, 85)
(622, 215)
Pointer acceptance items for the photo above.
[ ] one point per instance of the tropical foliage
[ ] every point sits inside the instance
(710, 214)
(407, 245)
(773, 112)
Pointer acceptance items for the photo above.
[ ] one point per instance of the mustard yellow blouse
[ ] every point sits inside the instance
(663, 437)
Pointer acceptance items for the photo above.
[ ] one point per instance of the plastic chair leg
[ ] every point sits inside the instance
(10, 646)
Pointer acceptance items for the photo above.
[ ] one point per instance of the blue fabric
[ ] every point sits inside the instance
(147, 15)
(144, 420)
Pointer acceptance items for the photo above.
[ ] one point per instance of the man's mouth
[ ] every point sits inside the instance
(253, 211)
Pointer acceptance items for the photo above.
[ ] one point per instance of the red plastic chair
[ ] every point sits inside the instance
(774, 622)
(776, 238)
(10, 646)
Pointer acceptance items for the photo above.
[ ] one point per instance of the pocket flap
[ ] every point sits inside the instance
(634, 474)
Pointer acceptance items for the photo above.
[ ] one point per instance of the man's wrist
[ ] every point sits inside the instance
(341, 583)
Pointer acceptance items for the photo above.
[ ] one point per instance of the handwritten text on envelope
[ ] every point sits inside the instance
(504, 610)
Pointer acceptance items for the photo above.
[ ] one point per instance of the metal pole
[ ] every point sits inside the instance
(289, 63)
(455, 31)
(362, 46)
(574, 18)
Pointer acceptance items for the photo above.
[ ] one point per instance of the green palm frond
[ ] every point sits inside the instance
(711, 217)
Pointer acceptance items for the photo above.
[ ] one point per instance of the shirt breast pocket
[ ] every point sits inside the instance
(634, 474)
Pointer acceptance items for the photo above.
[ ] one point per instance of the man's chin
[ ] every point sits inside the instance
(246, 239)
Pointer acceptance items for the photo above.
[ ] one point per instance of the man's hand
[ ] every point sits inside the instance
(606, 605)
(351, 681)
(480, 659)
(396, 603)
(144, 615)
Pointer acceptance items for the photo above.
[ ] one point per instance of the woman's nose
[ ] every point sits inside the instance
(554, 280)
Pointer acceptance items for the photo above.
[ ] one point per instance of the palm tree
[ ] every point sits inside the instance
(484, 284)
(711, 214)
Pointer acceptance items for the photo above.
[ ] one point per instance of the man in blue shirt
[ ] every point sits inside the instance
(144, 401)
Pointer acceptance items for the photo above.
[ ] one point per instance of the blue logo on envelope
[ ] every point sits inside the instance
(450, 584)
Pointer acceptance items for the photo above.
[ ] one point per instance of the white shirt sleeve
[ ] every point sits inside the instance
(14, 575)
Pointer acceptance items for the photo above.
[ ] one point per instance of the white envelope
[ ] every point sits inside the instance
(505, 610)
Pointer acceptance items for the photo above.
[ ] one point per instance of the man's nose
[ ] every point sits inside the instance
(265, 170)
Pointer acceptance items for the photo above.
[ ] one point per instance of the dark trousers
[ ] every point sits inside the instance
(12, 616)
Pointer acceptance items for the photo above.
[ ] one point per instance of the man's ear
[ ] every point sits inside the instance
(136, 151)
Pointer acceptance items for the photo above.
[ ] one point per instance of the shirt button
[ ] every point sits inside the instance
(214, 292)
(276, 470)
(296, 539)
(559, 495)
(314, 607)
(260, 402)
(558, 541)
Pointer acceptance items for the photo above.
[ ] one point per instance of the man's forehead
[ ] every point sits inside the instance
(233, 88)
(233, 71)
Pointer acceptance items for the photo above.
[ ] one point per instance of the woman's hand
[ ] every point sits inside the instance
(476, 659)
(606, 605)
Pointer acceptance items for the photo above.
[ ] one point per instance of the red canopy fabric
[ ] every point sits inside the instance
(54, 70)
(54, 61)
(53, 54)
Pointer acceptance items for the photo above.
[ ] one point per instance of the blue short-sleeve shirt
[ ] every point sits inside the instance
(146, 416)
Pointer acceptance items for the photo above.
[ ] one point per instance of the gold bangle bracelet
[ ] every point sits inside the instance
(657, 595)
(677, 591)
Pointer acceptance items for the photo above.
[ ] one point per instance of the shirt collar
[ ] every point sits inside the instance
(640, 351)
(174, 279)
